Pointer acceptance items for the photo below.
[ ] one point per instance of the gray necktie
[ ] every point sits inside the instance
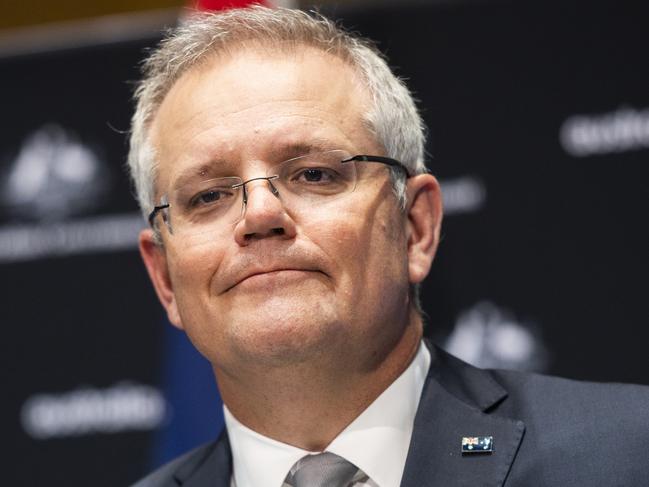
(321, 470)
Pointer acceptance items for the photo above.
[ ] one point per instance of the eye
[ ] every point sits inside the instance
(211, 197)
(315, 175)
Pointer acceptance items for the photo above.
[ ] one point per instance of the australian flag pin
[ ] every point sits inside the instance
(477, 444)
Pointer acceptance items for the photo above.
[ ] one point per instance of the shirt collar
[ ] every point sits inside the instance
(376, 441)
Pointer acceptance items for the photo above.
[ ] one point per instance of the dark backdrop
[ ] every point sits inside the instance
(539, 132)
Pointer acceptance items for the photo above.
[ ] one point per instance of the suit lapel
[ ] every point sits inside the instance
(213, 470)
(457, 401)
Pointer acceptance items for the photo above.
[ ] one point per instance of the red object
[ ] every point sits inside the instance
(224, 4)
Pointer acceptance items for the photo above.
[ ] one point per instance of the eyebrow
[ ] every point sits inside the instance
(291, 150)
(195, 173)
(282, 153)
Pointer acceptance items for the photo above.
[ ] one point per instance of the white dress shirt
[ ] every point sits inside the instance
(377, 441)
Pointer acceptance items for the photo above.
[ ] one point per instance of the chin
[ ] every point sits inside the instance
(282, 335)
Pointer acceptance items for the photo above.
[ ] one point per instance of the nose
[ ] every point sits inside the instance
(264, 215)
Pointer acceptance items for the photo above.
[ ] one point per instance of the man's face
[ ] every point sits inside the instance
(283, 284)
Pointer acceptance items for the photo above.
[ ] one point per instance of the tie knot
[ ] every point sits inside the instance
(321, 470)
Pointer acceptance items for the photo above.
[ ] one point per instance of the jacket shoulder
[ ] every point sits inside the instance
(165, 475)
(577, 433)
(531, 391)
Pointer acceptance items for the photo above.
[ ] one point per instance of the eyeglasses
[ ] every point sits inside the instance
(311, 181)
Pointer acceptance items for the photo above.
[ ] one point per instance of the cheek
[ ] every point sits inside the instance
(387, 254)
(192, 270)
(368, 249)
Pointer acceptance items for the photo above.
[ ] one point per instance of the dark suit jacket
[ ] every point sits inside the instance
(546, 432)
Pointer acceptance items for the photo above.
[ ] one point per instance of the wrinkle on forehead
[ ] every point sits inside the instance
(254, 94)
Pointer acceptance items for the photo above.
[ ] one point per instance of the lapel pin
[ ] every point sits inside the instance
(477, 444)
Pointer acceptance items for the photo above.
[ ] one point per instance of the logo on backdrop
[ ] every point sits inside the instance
(466, 194)
(491, 337)
(626, 129)
(85, 411)
(47, 192)
(54, 176)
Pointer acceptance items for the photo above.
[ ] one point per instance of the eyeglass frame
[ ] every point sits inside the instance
(388, 161)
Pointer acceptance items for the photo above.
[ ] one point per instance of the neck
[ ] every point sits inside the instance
(308, 405)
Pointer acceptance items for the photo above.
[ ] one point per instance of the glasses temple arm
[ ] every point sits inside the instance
(155, 211)
(380, 159)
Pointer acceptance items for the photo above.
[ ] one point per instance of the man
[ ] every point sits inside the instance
(280, 164)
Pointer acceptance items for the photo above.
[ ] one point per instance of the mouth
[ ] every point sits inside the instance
(265, 280)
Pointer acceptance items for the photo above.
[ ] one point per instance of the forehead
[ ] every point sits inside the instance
(252, 103)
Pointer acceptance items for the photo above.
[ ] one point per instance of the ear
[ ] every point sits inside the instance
(155, 260)
(424, 222)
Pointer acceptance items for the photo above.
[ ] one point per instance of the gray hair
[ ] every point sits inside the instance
(393, 116)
